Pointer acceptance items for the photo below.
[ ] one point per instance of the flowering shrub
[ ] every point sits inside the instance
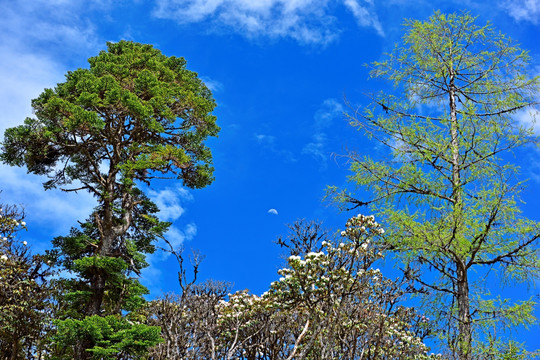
(24, 291)
(330, 302)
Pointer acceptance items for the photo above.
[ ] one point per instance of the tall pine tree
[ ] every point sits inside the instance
(133, 115)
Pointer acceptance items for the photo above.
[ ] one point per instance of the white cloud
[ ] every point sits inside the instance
(329, 111)
(529, 118)
(265, 139)
(46, 26)
(53, 210)
(365, 15)
(176, 237)
(25, 73)
(273, 211)
(36, 38)
(214, 85)
(24, 76)
(151, 276)
(317, 149)
(269, 143)
(523, 10)
(169, 201)
(307, 21)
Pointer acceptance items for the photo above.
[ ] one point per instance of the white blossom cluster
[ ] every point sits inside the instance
(8, 227)
(362, 225)
(312, 275)
(240, 304)
(334, 286)
(340, 269)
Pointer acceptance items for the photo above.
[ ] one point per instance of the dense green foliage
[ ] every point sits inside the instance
(444, 189)
(134, 115)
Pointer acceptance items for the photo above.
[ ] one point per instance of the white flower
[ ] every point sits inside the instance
(3, 257)
(24, 243)
(5, 239)
(23, 223)
(343, 233)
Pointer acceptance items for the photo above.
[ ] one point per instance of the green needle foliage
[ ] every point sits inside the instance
(445, 191)
(132, 116)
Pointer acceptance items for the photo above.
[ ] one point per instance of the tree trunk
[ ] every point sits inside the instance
(81, 353)
(97, 283)
(454, 144)
(464, 315)
(462, 282)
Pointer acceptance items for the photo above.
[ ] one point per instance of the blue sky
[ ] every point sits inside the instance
(279, 71)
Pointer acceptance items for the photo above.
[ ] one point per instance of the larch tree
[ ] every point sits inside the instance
(134, 115)
(446, 192)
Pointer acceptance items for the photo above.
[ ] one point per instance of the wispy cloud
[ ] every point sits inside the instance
(37, 38)
(48, 26)
(269, 142)
(25, 73)
(365, 14)
(214, 85)
(265, 139)
(523, 10)
(307, 21)
(171, 203)
(152, 275)
(330, 110)
(24, 76)
(53, 210)
(530, 117)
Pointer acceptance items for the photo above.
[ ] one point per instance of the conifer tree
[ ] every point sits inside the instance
(133, 115)
(447, 194)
